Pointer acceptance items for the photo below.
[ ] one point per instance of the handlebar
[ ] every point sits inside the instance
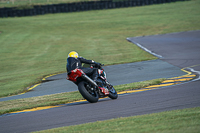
(99, 65)
(95, 65)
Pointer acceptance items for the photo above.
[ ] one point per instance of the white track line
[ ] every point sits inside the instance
(192, 70)
(147, 50)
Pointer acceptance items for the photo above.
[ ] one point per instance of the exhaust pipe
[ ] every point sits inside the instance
(84, 76)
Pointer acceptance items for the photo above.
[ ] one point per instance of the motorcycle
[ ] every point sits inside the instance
(89, 89)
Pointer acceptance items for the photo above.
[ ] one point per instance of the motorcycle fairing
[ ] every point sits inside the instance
(74, 74)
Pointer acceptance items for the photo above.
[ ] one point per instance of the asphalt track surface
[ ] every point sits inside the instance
(178, 50)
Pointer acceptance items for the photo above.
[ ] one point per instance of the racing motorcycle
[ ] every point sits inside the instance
(89, 89)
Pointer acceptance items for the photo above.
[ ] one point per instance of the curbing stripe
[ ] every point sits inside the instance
(43, 79)
(29, 89)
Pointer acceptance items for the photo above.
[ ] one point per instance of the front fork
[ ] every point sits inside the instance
(84, 76)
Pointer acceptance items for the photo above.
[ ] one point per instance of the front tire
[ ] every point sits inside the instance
(87, 92)
(112, 93)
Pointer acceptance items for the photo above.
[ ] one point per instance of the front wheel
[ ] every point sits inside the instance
(112, 93)
(88, 92)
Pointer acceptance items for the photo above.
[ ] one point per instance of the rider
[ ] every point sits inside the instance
(74, 61)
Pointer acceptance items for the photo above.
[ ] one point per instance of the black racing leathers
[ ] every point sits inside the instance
(73, 63)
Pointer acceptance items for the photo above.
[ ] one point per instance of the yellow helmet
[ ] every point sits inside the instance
(73, 54)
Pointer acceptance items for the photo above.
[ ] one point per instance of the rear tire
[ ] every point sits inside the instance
(87, 93)
(113, 93)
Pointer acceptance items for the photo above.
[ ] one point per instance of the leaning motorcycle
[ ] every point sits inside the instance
(89, 89)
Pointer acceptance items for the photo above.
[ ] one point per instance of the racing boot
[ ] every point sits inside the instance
(95, 76)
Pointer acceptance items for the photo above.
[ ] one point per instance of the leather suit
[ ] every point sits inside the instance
(73, 63)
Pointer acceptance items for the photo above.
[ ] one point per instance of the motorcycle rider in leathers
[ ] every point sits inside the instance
(74, 61)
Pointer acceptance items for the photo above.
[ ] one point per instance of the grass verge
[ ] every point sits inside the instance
(177, 121)
(63, 98)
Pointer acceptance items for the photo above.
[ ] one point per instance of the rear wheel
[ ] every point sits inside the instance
(112, 93)
(88, 92)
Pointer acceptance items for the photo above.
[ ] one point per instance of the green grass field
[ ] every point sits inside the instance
(31, 47)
